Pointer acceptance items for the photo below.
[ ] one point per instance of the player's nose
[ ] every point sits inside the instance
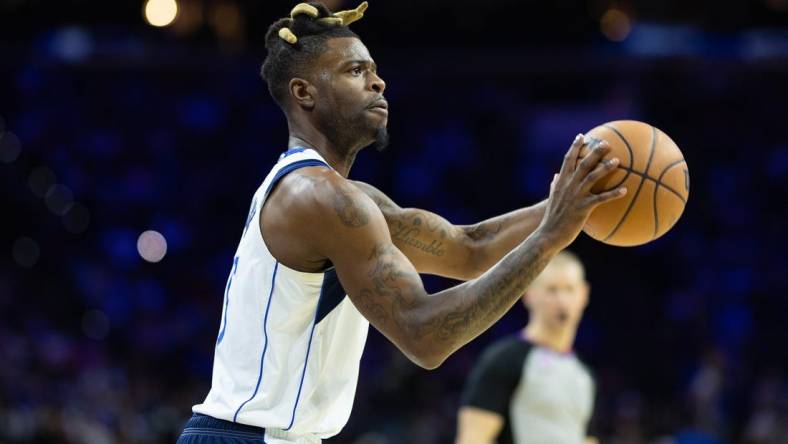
(377, 83)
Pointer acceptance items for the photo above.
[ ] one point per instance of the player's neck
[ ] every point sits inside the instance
(341, 162)
(340, 158)
(560, 340)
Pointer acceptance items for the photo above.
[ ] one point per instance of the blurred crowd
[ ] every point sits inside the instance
(686, 335)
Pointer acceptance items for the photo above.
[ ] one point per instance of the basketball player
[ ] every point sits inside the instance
(531, 388)
(320, 256)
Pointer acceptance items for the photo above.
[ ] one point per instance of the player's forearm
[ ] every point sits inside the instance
(494, 237)
(451, 318)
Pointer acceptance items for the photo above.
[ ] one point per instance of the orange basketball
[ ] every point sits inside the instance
(656, 176)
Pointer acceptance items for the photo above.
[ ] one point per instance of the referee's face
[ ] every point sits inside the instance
(558, 296)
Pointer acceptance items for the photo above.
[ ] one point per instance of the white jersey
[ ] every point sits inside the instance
(289, 345)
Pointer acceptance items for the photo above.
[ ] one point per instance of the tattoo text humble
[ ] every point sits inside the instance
(407, 234)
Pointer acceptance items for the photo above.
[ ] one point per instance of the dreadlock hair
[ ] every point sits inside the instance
(286, 60)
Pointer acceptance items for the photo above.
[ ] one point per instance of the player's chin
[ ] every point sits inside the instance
(381, 138)
(378, 116)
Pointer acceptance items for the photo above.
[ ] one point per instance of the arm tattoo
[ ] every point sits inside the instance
(453, 317)
(407, 231)
(422, 230)
(351, 212)
(494, 293)
(484, 231)
(393, 287)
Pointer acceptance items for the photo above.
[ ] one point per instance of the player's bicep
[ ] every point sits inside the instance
(478, 426)
(431, 243)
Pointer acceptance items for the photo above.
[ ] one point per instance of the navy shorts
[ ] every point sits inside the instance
(202, 429)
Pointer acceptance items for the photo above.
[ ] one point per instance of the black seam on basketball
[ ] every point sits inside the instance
(638, 173)
(665, 171)
(640, 186)
(667, 187)
(631, 157)
(656, 188)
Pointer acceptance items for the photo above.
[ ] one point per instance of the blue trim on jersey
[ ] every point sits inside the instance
(297, 149)
(252, 212)
(227, 300)
(265, 347)
(328, 286)
(290, 168)
(331, 295)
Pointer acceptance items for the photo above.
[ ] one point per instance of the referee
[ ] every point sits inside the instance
(531, 388)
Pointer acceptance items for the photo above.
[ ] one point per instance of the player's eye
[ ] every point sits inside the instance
(356, 71)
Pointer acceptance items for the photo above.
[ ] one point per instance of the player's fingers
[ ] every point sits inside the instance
(570, 158)
(592, 159)
(602, 170)
(607, 196)
(552, 184)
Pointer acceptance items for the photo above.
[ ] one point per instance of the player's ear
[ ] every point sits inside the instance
(302, 92)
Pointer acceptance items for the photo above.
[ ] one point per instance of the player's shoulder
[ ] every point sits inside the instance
(323, 194)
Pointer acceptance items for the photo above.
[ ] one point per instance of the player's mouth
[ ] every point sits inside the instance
(380, 106)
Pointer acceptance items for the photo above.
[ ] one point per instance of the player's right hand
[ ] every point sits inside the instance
(571, 199)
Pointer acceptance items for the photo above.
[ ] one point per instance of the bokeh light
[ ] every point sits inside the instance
(71, 44)
(152, 246)
(59, 199)
(615, 25)
(40, 180)
(26, 252)
(189, 18)
(227, 20)
(160, 13)
(95, 324)
(9, 147)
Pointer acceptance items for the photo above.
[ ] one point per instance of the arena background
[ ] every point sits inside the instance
(112, 127)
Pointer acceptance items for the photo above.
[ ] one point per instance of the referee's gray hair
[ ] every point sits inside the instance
(567, 257)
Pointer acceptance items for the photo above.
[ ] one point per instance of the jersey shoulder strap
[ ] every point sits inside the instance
(288, 162)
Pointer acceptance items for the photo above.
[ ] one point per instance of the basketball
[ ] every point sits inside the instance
(656, 176)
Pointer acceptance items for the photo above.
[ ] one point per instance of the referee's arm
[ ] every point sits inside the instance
(478, 426)
(487, 395)
(591, 425)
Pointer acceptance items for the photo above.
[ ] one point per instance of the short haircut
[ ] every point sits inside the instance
(566, 257)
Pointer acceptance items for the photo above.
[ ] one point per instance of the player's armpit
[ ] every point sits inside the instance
(591, 440)
(478, 426)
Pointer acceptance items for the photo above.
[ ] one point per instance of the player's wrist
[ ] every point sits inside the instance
(551, 238)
